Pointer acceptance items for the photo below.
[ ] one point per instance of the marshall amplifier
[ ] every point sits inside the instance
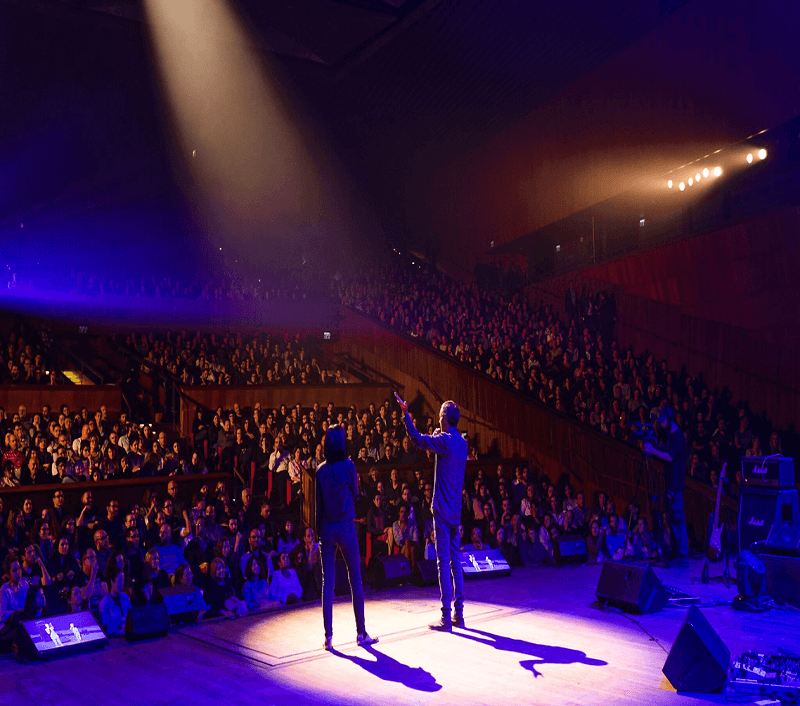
(768, 472)
(761, 510)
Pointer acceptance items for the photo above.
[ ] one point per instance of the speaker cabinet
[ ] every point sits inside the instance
(147, 621)
(390, 571)
(569, 549)
(699, 660)
(426, 573)
(183, 603)
(783, 578)
(630, 587)
(760, 510)
(783, 541)
(60, 635)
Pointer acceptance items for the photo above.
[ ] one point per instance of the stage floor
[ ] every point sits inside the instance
(533, 638)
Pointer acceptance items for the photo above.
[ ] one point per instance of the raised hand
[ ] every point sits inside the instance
(403, 404)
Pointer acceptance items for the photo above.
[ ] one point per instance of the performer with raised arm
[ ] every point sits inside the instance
(448, 480)
(337, 488)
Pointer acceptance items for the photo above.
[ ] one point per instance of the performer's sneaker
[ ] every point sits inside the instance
(458, 621)
(442, 625)
(328, 644)
(364, 640)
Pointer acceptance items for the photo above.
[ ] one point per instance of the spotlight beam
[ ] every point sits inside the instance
(250, 161)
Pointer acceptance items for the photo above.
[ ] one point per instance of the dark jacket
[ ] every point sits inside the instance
(336, 485)
(448, 475)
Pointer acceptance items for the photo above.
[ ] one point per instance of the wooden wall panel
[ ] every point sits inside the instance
(754, 369)
(75, 396)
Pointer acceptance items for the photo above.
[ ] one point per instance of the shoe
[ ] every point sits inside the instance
(442, 625)
(458, 621)
(328, 644)
(364, 640)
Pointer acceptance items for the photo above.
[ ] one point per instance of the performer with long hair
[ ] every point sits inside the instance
(448, 480)
(337, 485)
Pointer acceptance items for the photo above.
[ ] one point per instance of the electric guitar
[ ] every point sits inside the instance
(715, 542)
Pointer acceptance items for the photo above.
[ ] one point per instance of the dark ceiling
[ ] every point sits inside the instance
(442, 71)
(400, 84)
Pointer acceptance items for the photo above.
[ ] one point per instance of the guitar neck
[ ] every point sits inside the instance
(719, 496)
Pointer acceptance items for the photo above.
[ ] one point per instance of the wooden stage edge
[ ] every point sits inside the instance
(536, 637)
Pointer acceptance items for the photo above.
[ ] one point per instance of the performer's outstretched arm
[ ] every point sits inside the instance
(426, 442)
(435, 442)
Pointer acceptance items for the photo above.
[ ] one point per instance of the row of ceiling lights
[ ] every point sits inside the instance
(715, 172)
(705, 174)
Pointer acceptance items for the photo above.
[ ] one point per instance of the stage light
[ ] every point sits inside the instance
(220, 249)
(750, 158)
(717, 171)
(705, 172)
(681, 186)
(669, 184)
(691, 181)
(762, 154)
(697, 176)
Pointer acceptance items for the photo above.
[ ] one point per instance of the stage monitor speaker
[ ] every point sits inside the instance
(390, 570)
(630, 587)
(147, 621)
(482, 563)
(760, 510)
(783, 541)
(569, 549)
(698, 661)
(60, 635)
(426, 573)
(183, 603)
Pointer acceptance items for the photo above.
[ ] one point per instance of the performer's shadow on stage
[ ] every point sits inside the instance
(546, 654)
(389, 669)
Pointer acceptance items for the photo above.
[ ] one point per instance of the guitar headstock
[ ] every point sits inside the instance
(722, 472)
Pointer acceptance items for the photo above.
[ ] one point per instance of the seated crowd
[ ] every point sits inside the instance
(25, 359)
(59, 559)
(288, 441)
(521, 517)
(234, 359)
(574, 365)
(65, 447)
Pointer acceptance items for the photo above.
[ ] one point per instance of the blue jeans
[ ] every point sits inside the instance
(342, 535)
(677, 521)
(448, 562)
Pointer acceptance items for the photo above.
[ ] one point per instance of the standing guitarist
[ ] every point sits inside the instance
(672, 451)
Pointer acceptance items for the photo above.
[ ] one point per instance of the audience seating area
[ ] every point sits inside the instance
(573, 365)
(221, 499)
(78, 508)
